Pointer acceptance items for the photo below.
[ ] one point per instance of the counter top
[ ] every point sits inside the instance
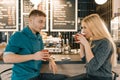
(67, 59)
(63, 59)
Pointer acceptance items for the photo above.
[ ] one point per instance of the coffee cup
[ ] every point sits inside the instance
(46, 54)
(76, 37)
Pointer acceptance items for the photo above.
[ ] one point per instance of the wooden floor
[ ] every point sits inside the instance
(6, 66)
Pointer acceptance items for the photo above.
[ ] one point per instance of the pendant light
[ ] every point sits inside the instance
(35, 2)
(100, 2)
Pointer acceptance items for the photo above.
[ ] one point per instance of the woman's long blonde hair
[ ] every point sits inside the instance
(99, 30)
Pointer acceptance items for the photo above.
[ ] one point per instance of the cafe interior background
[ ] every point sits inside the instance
(62, 21)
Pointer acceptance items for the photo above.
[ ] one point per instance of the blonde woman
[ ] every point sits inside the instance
(97, 46)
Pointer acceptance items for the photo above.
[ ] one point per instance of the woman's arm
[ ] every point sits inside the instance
(85, 48)
(82, 51)
(52, 65)
(89, 53)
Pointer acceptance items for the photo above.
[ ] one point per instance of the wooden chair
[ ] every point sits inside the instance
(115, 75)
(6, 74)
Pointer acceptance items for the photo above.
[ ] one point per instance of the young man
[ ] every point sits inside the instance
(25, 50)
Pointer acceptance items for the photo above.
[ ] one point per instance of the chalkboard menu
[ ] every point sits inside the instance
(8, 15)
(64, 15)
(27, 6)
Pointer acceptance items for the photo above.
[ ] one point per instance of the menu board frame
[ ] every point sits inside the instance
(62, 29)
(27, 13)
(16, 17)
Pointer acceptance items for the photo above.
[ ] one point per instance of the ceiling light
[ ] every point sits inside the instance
(35, 2)
(100, 2)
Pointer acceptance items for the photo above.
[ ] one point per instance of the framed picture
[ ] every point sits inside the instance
(29, 5)
(63, 15)
(9, 15)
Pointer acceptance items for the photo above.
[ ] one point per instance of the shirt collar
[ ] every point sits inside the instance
(30, 34)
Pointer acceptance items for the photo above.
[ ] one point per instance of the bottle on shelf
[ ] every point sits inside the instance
(67, 49)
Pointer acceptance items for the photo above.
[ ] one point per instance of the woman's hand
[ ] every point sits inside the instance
(81, 39)
(52, 65)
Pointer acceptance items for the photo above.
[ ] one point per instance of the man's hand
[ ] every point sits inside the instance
(40, 55)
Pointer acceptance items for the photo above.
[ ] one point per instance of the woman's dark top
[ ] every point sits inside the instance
(100, 65)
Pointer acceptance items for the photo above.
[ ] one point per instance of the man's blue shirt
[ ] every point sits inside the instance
(25, 43)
